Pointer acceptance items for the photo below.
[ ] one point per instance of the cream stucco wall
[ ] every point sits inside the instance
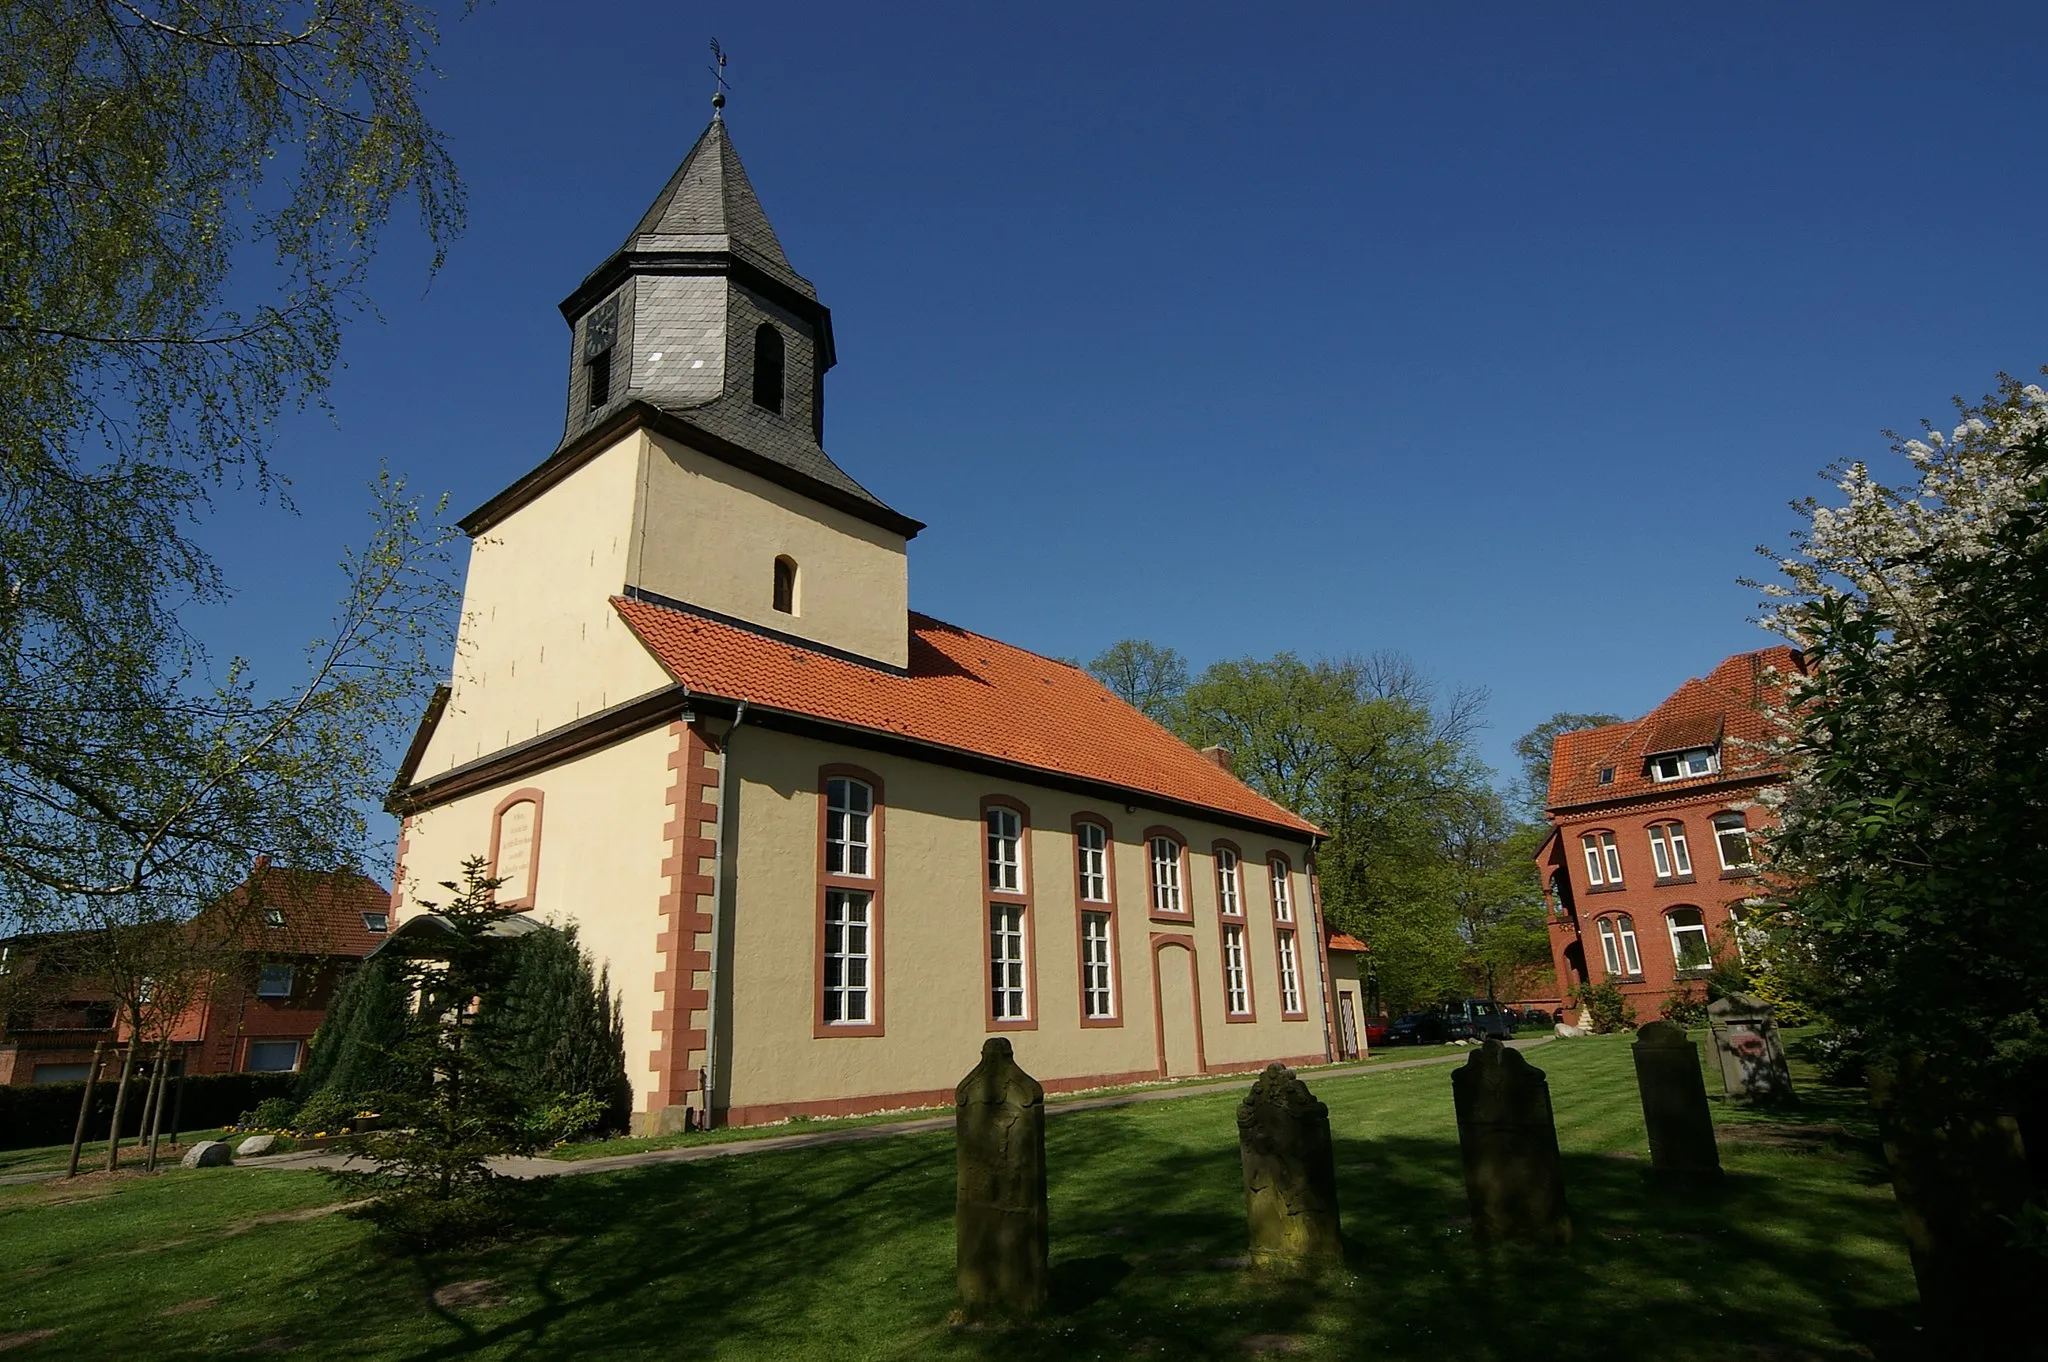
(602, 841)
(709, 534)
(539, 644)
(934, 935)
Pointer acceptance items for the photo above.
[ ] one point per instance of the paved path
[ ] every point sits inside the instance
(811, 1139)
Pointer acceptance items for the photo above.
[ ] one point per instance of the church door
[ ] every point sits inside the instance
(1180, 1018)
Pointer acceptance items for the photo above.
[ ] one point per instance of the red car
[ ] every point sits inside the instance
(1375, 1032)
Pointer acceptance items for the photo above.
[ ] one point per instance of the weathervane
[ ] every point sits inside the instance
(718, 96)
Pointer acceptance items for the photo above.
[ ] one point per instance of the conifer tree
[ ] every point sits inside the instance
(555, 1031)
(353, 1055)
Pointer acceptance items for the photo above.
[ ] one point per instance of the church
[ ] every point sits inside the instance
(825, 844)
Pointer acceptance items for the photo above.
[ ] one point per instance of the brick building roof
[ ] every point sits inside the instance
(322, 911)
(1724, 709)
(963, 692)
(1347, 944)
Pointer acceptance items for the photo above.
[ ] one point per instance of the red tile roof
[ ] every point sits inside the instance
(963, 691)
(1346, 943)
(322, 912)
(1726, 707)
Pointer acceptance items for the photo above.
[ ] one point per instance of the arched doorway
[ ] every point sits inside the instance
(1177, 1006)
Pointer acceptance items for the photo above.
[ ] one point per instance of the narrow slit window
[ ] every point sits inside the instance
(785, 585)
(768, 368)
(1236, 995)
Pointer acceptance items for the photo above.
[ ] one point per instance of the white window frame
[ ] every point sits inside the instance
(266, 973)
(273, 917)
(1005, 849)
(1610, 946)
(1237, 994)
(1098, 967)
(1009, 968)
(1659, 855)
(1290, 975)
(377, 922)
(1091, 850)
(1166, 896)
(1724, 824)
(1676, 931)
(849, 828)
(1631, 952)
(1690, 764)
(1229, 884)
(1590, 844)
(298, 1056)
(1283, 889)
(849, 915)
(1669, 850)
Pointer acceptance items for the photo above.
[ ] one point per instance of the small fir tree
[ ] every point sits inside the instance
(555, 1033)
(353, 1055)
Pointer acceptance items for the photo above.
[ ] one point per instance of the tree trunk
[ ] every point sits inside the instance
(92, 1078)
(153, 1118)
(120, 1100)
(178, 1095)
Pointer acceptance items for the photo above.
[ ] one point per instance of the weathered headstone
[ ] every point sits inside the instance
(1290, 1174)
(207, 1154)
(1961, 1181)
(999, 1214)
(1675, 1103)
(1508, 1137)
(1746, 1046)
(255, 1145)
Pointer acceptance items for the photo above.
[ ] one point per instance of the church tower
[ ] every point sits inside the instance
(691, 471)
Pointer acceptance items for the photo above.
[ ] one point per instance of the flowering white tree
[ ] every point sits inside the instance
(1912, 854)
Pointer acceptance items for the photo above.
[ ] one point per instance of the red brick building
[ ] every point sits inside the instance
(1648, 860)
(299, 933)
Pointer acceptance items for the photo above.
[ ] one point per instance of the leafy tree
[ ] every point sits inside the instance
(1148, 677)
(194, 191)
(1370, 751)
(1909, 856)
(1534, 749)
(556, 1032)
(1498, 897)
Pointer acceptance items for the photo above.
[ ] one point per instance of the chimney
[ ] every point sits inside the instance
(1221, 757)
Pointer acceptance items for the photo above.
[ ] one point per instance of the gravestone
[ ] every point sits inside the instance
(1961, 1181)
(1675, 1103)
(999, 1214)
(1290, 1174)
(207, 1154)
(1508, 1138)
(1747, 1048)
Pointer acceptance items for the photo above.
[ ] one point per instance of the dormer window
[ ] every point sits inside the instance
(600, 337)
(768, 368)
(1697, 761)
(785, 585)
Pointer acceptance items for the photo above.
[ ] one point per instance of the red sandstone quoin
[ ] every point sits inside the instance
(1648, 861)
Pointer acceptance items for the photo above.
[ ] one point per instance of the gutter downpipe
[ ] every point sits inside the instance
(1326, 995)
(728, 827)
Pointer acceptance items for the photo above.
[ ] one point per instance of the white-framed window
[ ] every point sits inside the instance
(272, 1057)
(1283, 890)
(1229, 895)
(1166, 876)
(1689, 947)
(849, 815)
(1091, 851)
(1698, 761)
(376, 922)
(1668, 850)
(1603, 858)
(849, 957)
(274, 981)
(1731, 839)
(1237, 997)
(1290, 974)
(1618, 945)
(1005, 859)
(1098, 975)
(273, 917)
(1006, 964)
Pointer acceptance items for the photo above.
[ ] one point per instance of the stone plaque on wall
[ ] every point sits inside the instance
(518, 830)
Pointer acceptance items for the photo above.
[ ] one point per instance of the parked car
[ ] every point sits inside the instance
(1376, 1031)
(1477, 1019)
(1416, 1028)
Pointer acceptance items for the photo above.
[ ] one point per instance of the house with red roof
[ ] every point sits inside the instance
(825, 844)
(1648, 861)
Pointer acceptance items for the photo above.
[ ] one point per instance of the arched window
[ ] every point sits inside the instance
(1689, 939)
(1669, 851)
(1731, 839)
(1618, 946)
(1168, 858)
(768, 368)
(1603, 859)
(785, 584)
(1012, 983)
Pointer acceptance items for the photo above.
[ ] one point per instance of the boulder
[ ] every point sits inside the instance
(255, 1145)
(1569, 1032)
(208, 1154)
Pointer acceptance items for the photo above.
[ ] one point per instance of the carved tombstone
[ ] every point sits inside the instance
(1746, 1044)
(1290, 1174)
(999, 1212)
(1513, 1176)
(1675, 1103)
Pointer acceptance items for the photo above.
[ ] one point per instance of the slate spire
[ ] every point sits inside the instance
(709, 204)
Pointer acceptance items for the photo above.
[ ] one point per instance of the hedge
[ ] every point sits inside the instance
(47, 1113)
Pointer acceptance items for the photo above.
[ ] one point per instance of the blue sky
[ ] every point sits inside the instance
(1497, 335)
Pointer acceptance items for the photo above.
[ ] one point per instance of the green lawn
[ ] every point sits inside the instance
(53, 1158)
(846, 1252)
